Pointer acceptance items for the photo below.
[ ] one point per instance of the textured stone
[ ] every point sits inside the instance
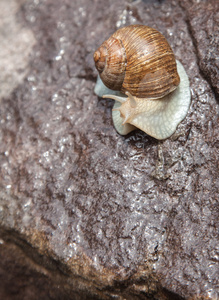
(203, 21)
(89, 212)
(16, 45)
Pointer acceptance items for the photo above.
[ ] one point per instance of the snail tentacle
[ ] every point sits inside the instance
(132, 100)
(117, 98)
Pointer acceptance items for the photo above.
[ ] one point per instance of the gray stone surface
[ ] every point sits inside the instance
(203, 21)
(89, 212)
(16, 45)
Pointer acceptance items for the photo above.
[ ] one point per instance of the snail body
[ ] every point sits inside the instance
(138, 61)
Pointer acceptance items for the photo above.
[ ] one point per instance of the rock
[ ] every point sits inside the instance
(203, 21)
(84, 212)
(16, 45)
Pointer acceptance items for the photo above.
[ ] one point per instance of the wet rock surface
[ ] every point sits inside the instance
(90, 212)
(203, 21)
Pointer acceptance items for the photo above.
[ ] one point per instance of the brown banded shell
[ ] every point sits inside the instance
(137, 59)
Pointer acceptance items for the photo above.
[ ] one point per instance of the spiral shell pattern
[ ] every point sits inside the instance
(138, 59)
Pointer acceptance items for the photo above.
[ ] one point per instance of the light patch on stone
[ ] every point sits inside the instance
(16, 45)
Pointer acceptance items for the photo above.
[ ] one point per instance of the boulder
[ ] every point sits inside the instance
(84, 212)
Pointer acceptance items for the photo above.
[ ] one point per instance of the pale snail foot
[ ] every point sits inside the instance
(158, 118)
(100, 90)
(118, 121)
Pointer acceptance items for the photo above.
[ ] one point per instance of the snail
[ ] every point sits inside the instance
(137, 68)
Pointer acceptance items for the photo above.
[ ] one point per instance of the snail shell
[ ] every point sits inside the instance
(137, 59)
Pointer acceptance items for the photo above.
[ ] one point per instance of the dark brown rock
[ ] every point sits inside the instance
(86, 212)
(203, 21)
(22, 278)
